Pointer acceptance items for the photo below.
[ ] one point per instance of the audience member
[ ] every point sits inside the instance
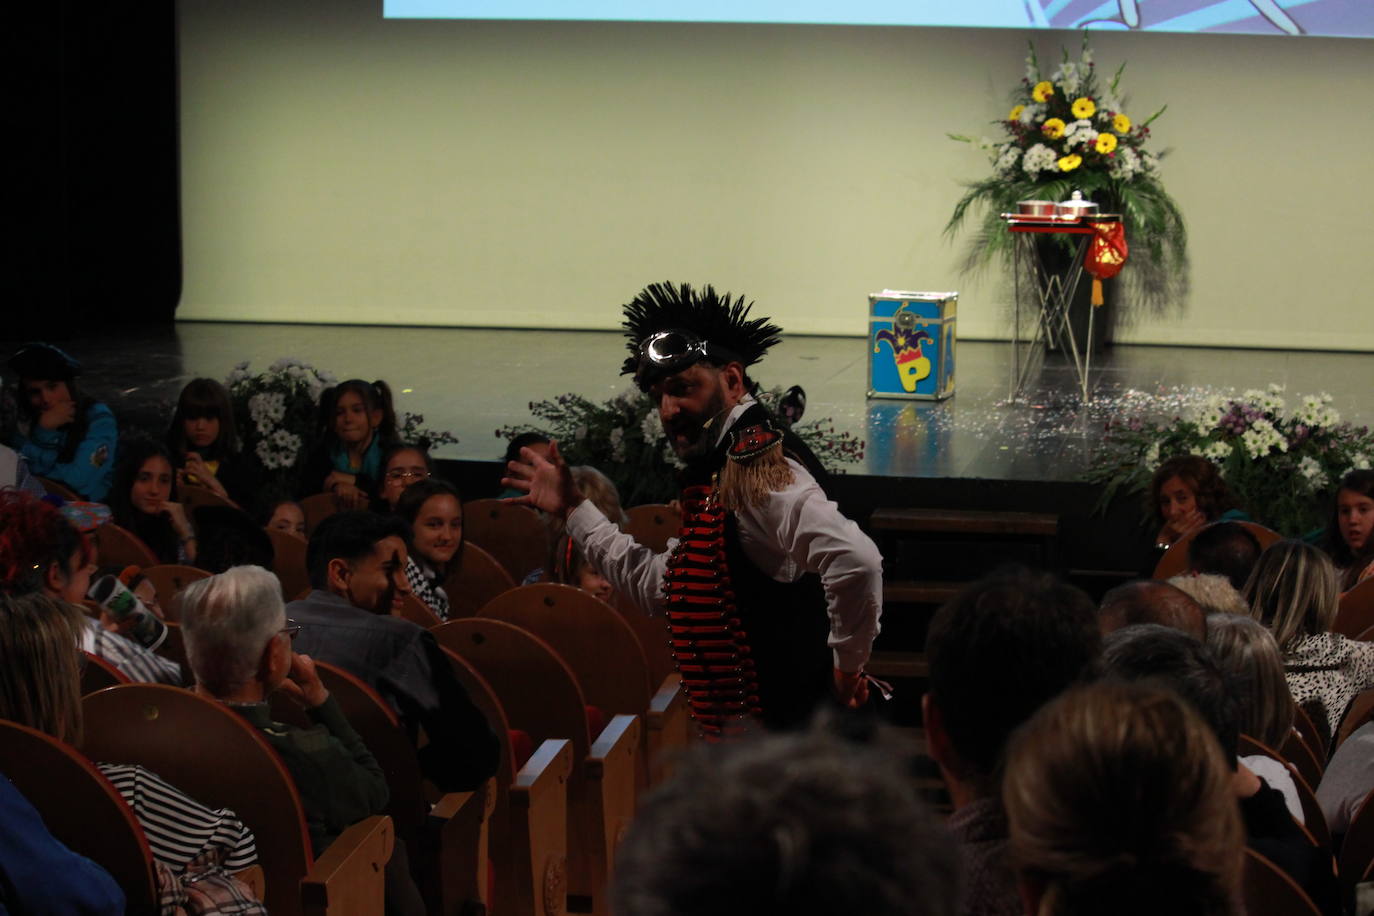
(65, 436)
(40, 551)
(357, 563)
(1213, 594)
(356, 425)
(434, 513)
(204, 443)
(142, 500)
(40, 687)
(1348, 779)
(41, 876)
(287, 516)
(1118, 801)
(402, 466)
(1293, 592)
(1224, 549)
(15, 475)
(1186, 493)
(1166, 658)
(1151, 601)
(567, 564)
(238, 641)
(230, 537)
(805, 823)
(1248, 655)
(1348, 534)
(998, 650)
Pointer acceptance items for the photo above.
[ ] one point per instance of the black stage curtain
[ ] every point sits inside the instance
(96, 181)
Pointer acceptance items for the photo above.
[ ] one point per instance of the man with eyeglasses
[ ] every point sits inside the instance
(772, 596)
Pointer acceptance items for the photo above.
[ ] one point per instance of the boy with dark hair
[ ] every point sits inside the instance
(999, 650)
(357, 564)
(1224, 549)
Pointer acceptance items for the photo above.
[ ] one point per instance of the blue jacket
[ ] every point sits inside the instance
(91, 468)
(39, 875)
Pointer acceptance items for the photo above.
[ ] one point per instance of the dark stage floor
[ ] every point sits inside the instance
(471, 381)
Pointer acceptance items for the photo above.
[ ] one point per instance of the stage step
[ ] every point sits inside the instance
(965, 521)
(905, 591)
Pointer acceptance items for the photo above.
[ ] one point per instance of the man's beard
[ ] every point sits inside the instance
(700, 438)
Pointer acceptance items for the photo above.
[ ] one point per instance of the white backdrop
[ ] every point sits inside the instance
(338, 167)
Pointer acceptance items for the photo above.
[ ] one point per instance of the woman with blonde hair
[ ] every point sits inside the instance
(1293, 592)
(1246, 651)
(1119, 801)
(40, 676)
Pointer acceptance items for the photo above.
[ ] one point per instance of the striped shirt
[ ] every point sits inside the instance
(178, 827)
(135, 662)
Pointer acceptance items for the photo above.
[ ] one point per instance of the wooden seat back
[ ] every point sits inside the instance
(317, 508)
(478, 579)
(168, 580)
(1269, 891)
(194, 497)
(1175, 559)
(97, 674)
(1357, 850)
(1297, 751)
(82, 809)
(1356, 611)
(1316, 738)
(598, 645)
(653, 524)
(417, 612)
(1360, 711)
(116, 546)
(537, 689)
(213, 755)
(288, 562)
(515, 535)
(1313, 821)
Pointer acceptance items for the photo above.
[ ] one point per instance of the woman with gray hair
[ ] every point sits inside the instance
(1246, 651)
(238, 641)
(1293, 591)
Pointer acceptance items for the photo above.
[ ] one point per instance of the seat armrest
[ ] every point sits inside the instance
(350, 877)
(668, 727)
(539, 830)
(457, 829)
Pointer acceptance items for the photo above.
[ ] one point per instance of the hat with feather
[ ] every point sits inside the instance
(671, 327)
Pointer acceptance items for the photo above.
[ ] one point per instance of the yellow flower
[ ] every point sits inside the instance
(1053, 128)
(1083, 108)
(1071, 162)
(1016, 113)
(1106, 143)
(1121, 124)
(1042, 91)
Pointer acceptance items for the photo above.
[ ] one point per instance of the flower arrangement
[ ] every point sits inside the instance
(1281, 463)
(623, 438)
(275, 414)
(1069, 131)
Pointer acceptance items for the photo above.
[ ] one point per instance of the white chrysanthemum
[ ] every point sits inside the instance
(1359, 462)
(652, 426)
(1311, 471)
(617, 444)
(1151, 457)
(1126, 165)
(1038, 158)
(671, 457)
(266, 455)
(580, 434)
(1149, 162)
(1008, 160)
(1216, 451)
(1031, 114)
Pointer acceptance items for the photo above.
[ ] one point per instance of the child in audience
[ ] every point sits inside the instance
(567, 564)
(1185, 493)
(1119, 801)
(1350, 533)
(1247, 653)
(287, 516)
(40, 678)
(356, 425)
(1293, 591)
(204, 443)
(142, 501)
(435, 514)
(65, 436)
(402, 465)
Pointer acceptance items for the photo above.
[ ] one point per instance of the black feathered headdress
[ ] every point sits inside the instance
(671, 327)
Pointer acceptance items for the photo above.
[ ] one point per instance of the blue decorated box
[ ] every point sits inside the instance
(911, 344)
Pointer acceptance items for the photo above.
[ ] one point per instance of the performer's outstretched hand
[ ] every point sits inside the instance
(546, 482)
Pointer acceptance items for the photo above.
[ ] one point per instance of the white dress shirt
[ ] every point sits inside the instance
(798, 530)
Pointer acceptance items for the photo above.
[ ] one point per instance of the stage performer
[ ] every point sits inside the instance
(772, 596)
